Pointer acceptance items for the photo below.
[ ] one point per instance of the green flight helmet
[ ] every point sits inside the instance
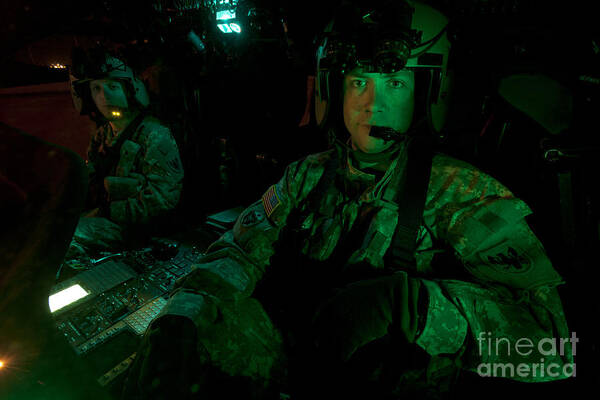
(97, 63)
(386, 36)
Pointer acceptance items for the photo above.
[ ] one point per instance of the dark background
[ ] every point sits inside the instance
(236, 108)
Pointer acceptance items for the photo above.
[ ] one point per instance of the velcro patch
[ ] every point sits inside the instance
(252, 217)
(271, 200)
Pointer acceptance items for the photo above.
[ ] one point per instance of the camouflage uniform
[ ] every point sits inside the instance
(134, 178)
(504, 283)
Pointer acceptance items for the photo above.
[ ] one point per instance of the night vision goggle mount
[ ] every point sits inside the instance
(373, 55)
(344, 53)
(389, 37)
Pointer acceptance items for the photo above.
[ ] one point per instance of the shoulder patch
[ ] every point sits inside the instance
(509, 260)
(252, 217)
(271, 200)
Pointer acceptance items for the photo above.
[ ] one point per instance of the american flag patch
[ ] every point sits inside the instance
(271, 200)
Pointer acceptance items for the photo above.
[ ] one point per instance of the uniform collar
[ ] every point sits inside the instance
(113, 138)
(374, 186)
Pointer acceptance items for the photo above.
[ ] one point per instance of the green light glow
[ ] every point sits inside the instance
(235, 27)
(225, 15)
(224, 28)
(66, 297)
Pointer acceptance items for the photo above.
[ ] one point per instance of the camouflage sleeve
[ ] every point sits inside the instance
(485, 224)
(240, 257)
(97, 197)
(92, 151)
(96, 139)
(232, 328)
(149, 186)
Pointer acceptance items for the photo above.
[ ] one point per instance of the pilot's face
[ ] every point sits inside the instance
(376, 99)
(110, 97)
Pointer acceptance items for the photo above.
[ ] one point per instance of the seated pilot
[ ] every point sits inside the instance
(135, 170)
(376, 269)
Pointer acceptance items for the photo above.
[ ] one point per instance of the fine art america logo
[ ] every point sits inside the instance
(548, 349)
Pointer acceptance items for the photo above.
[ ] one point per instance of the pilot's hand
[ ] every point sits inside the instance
(121, 188)
(366, 311)
(169, 362)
